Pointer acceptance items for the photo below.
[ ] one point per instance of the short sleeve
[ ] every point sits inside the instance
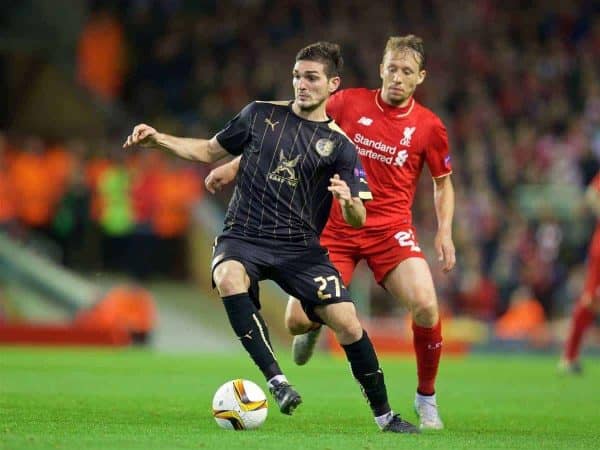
(234, 136)
(437, 153)
(335, 105)
(352, 172)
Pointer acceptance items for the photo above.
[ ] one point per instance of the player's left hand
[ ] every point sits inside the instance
(339, 189)
(444, 248)
(219, 177)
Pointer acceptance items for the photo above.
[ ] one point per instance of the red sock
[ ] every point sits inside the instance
(582, 319)
(428, 349)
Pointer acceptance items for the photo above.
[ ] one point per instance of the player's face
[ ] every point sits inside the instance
(400, 75)
(311, 85)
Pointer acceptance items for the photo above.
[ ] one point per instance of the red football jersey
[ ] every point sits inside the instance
(393, 144)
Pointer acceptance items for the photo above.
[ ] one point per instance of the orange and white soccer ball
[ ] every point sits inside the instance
(240, 405)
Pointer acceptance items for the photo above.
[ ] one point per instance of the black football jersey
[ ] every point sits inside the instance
(287, 161)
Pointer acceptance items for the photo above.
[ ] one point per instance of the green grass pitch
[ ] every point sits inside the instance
(134, 399)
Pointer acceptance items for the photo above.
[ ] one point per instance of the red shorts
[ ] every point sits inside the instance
(383, 251)
(592, 278)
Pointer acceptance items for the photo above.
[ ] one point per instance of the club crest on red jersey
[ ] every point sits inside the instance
(408, 133)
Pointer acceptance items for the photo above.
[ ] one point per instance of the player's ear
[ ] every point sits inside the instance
(381, 71)
(422, 75)
(334, 84)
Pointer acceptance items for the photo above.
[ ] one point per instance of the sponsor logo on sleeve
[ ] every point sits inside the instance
(359, 172)
(447, 160)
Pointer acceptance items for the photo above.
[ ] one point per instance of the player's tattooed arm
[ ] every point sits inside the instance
(203, 150)
(443, 198)
(222, 175)
(353, 209)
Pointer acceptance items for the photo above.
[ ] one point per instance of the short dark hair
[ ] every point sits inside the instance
(410, 41)
(327, 53)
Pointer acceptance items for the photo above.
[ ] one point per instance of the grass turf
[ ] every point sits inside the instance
(57, 399)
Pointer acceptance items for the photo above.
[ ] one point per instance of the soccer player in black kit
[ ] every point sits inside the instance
(295, 160)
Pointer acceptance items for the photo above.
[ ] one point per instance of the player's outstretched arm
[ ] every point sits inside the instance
(203, 150)
(353, 209)
(443, 198)
(223, 175)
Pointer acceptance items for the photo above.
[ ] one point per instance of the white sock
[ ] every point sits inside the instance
(276, 380)
(426, 398)
(382, 421)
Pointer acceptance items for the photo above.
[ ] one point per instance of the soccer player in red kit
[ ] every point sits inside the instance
(588, 306)
(395, 136)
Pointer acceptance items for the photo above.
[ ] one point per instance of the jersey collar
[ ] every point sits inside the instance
(394, 111)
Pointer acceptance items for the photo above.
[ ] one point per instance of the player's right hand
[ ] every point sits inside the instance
(340, 190)
(143, 135)
(444, 247)
(219, 177)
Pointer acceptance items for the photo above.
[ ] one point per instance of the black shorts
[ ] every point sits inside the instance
(303, 272)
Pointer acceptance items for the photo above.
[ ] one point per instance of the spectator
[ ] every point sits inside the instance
(101, 55)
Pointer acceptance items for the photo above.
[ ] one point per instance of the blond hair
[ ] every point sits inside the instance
(410, 42)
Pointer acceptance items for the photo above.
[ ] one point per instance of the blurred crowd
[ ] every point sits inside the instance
(102, 208)
(516, 82)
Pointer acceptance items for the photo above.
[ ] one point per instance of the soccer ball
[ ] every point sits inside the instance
(239, 405)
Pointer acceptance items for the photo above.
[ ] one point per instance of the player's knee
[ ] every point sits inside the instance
(296, 320)
(425, 312)
(297, 325)
(230, 279)
(349, 332)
